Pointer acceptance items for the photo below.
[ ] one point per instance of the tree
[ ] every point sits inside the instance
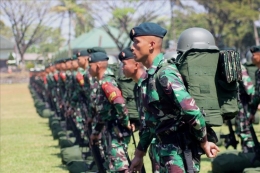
(50, 42)
(73, 10)
(26, 18)
(229, 20)
(125, 15)
(5, 30)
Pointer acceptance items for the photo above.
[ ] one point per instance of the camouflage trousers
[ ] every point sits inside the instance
(242, 129)
(79, 122)
(154, 157)
(114, 152)
(172, 159)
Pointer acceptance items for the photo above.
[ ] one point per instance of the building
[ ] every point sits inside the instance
(97, 37)
(6, 48)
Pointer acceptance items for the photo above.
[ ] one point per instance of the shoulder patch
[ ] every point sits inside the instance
(111, 91)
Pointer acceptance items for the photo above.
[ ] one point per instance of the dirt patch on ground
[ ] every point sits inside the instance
(14, 77)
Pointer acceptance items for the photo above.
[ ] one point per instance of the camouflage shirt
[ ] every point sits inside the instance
(110, 104)
(159, 116)
(247, 84)
(256, 99)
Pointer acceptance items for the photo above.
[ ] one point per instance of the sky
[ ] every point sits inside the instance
(106, 17)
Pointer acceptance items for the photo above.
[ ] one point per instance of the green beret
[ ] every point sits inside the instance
(47, 65)
(74, 57)
(57, 61)
(82, 53)
(255, 49)
(98, 56)
(96, 49)
(147, 29)
(126, 54)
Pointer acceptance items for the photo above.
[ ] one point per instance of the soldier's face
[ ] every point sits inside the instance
(75, 64)
(82, 61)
(256, 58)
(129, 67)
(68, 65)
(140, 48)
(93, 69)
(63, 66)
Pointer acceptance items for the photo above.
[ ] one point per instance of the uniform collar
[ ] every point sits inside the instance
(108, 72)
(158, 59)
(142, 78)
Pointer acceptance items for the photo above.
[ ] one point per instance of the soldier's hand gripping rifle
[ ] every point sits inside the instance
(98, 160)
(230, 139)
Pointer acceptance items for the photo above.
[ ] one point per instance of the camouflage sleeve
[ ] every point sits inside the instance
(173, 86)
(115, 97)
(146, 136)
(75, 96)
(247, 82)
(254, 104)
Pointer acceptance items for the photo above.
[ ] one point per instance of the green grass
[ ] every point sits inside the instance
(26, 144)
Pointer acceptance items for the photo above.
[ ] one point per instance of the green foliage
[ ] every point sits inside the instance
(29, 65)
(11, 57)
(230, 20)
(5, 30)
(51, 41)
(122, 12)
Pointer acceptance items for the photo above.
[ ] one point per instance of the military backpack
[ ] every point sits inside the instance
(210, 77)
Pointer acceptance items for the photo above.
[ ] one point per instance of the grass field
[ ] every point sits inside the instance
(26, 144)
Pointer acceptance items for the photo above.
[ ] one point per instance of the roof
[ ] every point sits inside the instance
(5, 43)
(33, 56)
(98, 37)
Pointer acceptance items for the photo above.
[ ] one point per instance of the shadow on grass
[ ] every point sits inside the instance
(63, 167)
(54, 146)
(205, 160)
(45, 123)
(57, 154)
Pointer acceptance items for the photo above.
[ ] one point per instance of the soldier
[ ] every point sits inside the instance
(135, 70)
(256, 99)
(246, 92)
(111, 114)
(170, 112)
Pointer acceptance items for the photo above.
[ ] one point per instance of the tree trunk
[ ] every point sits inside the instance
(69, 46)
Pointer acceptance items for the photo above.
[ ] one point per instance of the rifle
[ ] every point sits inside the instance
(98, 160)
(230, 138)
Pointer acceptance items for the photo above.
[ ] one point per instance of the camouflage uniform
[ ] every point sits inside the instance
(165, 110)
(78, 101)
(247, 90)
(108, 113)
(153, 149)
(256, 99)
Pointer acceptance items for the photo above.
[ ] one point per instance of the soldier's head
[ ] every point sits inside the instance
(74, 62)
(57, 64)
(130, 66)
(83, 56)
(98, 63)
(63, 64)
(147, 41)
(69, 64)
(52, 67)
(96, 49)
(255, 50)
(196, 38)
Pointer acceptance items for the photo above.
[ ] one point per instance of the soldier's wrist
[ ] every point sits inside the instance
(139, 153)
